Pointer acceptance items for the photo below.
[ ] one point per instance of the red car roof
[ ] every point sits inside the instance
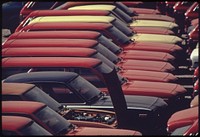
(14, 123)
(56, 34)
(12, 106)
(86, 43)
(15, 88)
(181, 117)
(63, 26)
(50, 62)
(48, 51)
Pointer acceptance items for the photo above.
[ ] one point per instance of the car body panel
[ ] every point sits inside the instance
(14, 125)
(85, 63)
(39, 13)
(151, 46)
(135, 101)
(85, 52)
(102, 27)
(126, 64)
(156, 38)
(106, 19)
(128, 54)
(192, 12)
(187, 129)
(136, 10)
(9, 107)
(181, 117)
(154, 17)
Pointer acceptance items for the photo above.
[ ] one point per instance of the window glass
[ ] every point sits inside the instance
(109, 44)
(34, 129)
(60, 92)
(36, 94)
(119, 36)
(53, 120)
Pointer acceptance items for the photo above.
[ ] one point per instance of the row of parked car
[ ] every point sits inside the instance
(102, 68)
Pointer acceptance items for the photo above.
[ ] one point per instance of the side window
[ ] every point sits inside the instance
(89, 75)
(59, 92)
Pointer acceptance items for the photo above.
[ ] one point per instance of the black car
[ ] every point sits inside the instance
(73, 91)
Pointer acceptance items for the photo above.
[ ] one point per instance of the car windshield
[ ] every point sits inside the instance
(34, 129)
(125, 17)
(85, 89)
(119, 36)
(105, 60)
(103, 68)
(54, 121)
(125, 8)
(109, 44)
(36, 94)
(107, 53)
(122, 27)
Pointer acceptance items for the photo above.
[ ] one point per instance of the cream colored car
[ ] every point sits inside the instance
(118, 24)
(135, 23)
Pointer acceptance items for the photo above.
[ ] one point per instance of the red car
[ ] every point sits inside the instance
(109, 31)
(182, 118)
(91, 69)
(21, 126)
(31, 6)
(128, 10)
(128, 54)
(126, 64)
(38, 13)
(86, 52)
(190, 129)
(192, 13)
(53, 122)
(79, 116)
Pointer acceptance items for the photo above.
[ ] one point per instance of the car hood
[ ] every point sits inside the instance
(171, 39)
(152, 23)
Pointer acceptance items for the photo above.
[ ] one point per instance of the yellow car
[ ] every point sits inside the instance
(122, 15)
(118, 24)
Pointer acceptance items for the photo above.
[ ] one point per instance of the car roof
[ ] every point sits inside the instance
(94, 19)
(67, 25)
(86, 43)
(57, 34)
(15, 88)
(14, 123)
(43, 76)
(67, 12)
(48, 51)
(26, 107)
(50, 62)
(94, 7)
